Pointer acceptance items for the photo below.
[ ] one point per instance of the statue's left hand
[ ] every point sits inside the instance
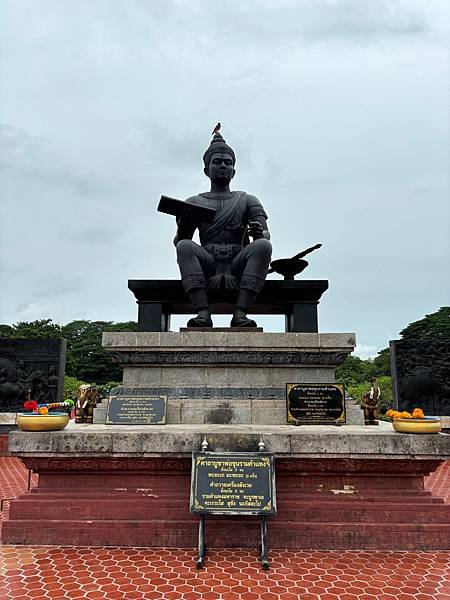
(255, 230)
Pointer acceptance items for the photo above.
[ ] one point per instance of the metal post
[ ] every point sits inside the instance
(264, 548)
(201, 542)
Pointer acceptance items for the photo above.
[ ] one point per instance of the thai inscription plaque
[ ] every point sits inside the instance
(136, 410)
(315, 403)
(233, 483)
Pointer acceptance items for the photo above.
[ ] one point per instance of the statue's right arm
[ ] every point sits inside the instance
(181, 236)
(183, 233)
(186, 227)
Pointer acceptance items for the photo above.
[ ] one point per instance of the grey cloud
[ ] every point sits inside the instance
(96, 235)
(288, 22)
(37, 157)
(159, 143)
(336, 110)
(55, 286)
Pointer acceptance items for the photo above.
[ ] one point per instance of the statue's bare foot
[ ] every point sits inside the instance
(200, 321)
(242, 321)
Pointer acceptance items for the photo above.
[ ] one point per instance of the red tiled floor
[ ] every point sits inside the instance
(59, 573)
(439, 482)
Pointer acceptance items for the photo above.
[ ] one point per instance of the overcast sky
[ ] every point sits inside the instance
(338, 111)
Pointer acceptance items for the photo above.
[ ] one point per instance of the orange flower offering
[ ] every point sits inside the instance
(43, 410)
(417, 413)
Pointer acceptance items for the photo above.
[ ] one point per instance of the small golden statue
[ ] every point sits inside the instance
(87, 399)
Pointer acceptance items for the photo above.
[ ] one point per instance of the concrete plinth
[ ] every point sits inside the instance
(224, 377)
(337, 488)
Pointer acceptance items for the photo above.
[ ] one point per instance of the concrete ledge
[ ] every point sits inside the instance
(315, 441)
(222, 340)
(8, 418)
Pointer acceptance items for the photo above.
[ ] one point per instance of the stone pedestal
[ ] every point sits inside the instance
(224, 377)
(338, 488)
(350, 487)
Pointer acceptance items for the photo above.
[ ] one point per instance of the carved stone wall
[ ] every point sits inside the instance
(31, 364)
(421, 375)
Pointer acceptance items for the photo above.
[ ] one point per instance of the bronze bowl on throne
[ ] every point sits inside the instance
(288, 267)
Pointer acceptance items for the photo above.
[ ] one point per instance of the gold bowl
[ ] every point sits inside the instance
(35, 422)
(427, 425)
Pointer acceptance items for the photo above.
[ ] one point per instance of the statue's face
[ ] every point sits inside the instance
(220, 168)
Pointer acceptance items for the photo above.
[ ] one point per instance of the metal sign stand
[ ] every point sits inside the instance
(201, 542)
(263, 546)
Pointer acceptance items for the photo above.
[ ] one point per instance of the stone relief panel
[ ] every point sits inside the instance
(31, 366)
(421, 375)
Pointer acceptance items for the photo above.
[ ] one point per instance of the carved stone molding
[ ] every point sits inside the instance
(243, 358)
(100, 464)
(204, 393)
(330, 466)
(383, 467)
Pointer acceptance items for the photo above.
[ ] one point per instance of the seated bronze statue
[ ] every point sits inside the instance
(225, 258)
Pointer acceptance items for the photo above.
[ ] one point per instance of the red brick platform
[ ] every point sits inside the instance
(55, 573)
(332, 504)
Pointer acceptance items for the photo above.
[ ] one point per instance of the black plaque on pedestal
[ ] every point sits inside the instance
(136, 410)
(241, 483)
(315, 403)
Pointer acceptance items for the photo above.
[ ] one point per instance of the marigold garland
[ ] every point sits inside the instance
(417, 413)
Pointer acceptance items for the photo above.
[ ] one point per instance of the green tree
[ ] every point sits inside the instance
(435, 326)
(382, 363)
(6, 331)
(354, 371)
(42, 328)
(86, 359)
(71, 385)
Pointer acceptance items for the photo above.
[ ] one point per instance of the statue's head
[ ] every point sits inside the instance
(219, 160)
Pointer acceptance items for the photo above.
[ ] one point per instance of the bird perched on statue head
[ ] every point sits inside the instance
(216, 129)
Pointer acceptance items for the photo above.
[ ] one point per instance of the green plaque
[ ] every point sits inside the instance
(136, 410)
(315, 403)
(233, 483)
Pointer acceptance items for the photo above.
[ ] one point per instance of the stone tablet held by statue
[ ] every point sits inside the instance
(178, 208)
